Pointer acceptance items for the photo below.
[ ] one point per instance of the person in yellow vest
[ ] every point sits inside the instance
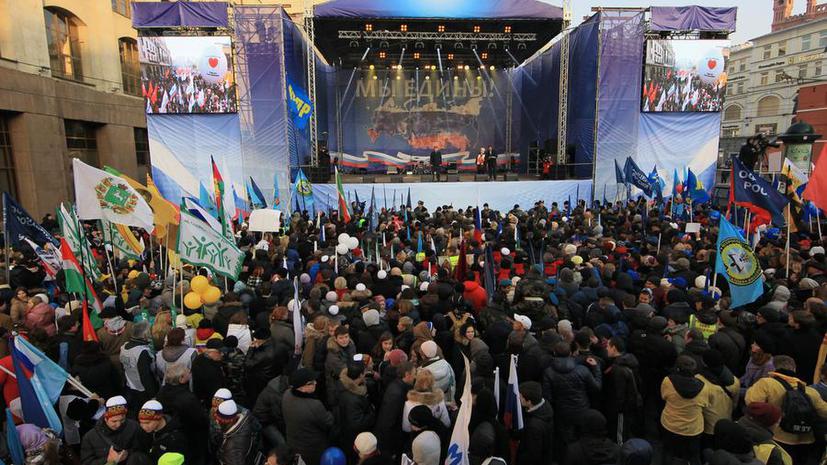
(705, 321)
(682, 418)
(772, 390)
(724, 390)
(759, 420)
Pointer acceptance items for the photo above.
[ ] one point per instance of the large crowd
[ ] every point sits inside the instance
(628, 351)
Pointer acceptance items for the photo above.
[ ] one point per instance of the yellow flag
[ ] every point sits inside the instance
(166, 213)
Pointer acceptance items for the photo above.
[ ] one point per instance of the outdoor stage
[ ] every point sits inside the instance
(498, 195)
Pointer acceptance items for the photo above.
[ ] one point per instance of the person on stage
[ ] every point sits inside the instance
(436, 164)
(481, 161)
(491, 160)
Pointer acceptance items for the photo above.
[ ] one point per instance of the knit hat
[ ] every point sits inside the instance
(361, 287)
(214, 344)
(426, 448)
(226, 412)
(763, 413)
(532, 391)
(151, 410)
(765, 342)
(382, 274)
(302, 377)
(523, 320)
(371, 318)
(223, 394)
(429, 349)
(807, 284)
(365, 444)
(421, 416)
(732, 437)
(171, 458)
(181, 321)
(781, 294)
(397, 356)
(331, 296)
(657, 324)
(333, 310)
(115, 406)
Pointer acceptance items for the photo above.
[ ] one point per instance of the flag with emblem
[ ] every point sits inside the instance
(77, 283)
(123, 240)
(304, 192)
(101, 195)
(78, 243)
(199, 244)
(165, 212)
(460, 436)
(737, 262)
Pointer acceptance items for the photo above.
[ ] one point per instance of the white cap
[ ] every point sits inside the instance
(333, 310)
(816, 250)
(700, 282)
(423, 286)
(429, 349)
(223, 393)
(115, 401)
(365, 444)
(505, 251)
(228, 408)
(382, 274)
(570, 249)
(325, 258)
(523, 320)
(404, 286)
(181, 321)
(361, 287)
(664, 282)
(153, 405)
(331, 296)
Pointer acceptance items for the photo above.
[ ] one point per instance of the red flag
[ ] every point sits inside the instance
(816, 190)
(89, 333)
(460, 273)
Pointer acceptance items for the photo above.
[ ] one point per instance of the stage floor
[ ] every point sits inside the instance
(500, 195)
(412, 178)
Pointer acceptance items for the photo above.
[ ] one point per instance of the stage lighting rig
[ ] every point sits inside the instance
(477, 29)
(507, 29)
(440, 28)
(368, 27)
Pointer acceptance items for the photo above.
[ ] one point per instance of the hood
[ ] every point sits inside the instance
(599, 450)
(544, 412)
(440, 368)
(636, 452)
(430, 398)
(686, 386)
(471, 286)
(173, 353)
(352, 385)
(627, 360)
(314, 333)
(422, 332)
(724, 378)
(757, 433)
(707, 318)
(563, 365)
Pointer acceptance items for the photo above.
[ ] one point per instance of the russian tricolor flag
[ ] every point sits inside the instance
(40, 381)
(513, 416)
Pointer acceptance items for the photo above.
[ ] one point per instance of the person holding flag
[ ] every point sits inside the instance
(751, 191)
(739, 265)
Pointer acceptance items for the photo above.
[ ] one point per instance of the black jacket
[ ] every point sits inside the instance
(308, 425)
(568, 385)
(207, 377)
(188, 413)
(169, 439)
(388, 428)
(621, 386)
(538, 436)
(260, 366)
(355, 412)
(97, 373)
(96, 443)
(73, 342)
(268, 409)
(240, 441)
(732, 345)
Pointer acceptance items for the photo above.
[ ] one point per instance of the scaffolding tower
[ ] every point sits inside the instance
(563, 109)
(311, 80)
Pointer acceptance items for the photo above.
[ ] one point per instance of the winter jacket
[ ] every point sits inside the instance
(592, 451)
(622, 387)
(41, 316)
(111, 343)
(281, 332)
(435, 400)
(686, 397)
(18, 309)
(207, 377)
(569, 385)
(766, 450)
(337, 359)
(96, 442)
(312, 340)
(73, 343)
(770, 390)
(268, 408)
(169, 439)
(308, 425)
(260, 366)
(475, 295)
(537, 437)
(239, 442)
(388, 428)
(186, 409)
(732, 345)
(96, 372)
(444, 378)
(355, 412)
(724, 392)
(173, 355)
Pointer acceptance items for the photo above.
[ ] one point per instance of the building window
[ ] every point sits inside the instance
(767, 52)
(730, 132)
(802, 71)
(141, 146)
(822, 39)
(768, 106)
(64, 43)
(82, 141)
(743, 66)
(8, 182)
(765, 79)
(121, 7)
(130, 68)
(817, 72)
(740, 87)
(805, 43)
(782, 48)
(732, 113)
(779, 76)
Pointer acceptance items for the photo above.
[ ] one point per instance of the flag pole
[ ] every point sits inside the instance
(818, 223)
(789, 221)
(7, 247)
(108, 259)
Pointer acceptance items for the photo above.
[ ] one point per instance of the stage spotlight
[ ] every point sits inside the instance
(374, 77)
(354, 44)
(507, 30)
(433, 67)
(450, 56)
(371, 67)
(484, 55)
(467, 67)
(398, 78)
(478, 78)
(416, 55)
(482, 67)
(403, 28)
(456, 78)
(476, 29)
(491, 68)
(368, 27)
(440, 28)
(383, 55)
(427, 78)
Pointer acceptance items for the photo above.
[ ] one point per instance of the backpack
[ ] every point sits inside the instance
(798, 416)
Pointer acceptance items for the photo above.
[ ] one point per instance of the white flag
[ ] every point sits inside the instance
(460, 437)
(201, 245)
(101, 195)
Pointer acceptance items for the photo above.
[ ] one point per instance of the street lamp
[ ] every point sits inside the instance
(798, 144)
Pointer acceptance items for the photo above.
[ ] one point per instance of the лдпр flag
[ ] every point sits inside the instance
(460, 436)
(755, 193)
(101, 195)
(737, 262)
(40, 381)
(301, 108)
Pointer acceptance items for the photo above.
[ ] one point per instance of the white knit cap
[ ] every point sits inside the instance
(181, 321)
(424, 286)
(505, 251)
(331, 296)
(325, 258)
(223, 393)
(365, 443)
(115, 401)
(361, 287)
(426, 448)
(382, 274)
(523, 320)
(153, 405)
(228, 408)
(429, 349)
(333, 310)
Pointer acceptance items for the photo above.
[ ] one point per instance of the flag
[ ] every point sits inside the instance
(48, 258)
(298, 327)
(408, 202)
(75, 281)
(695, 188)
(344, 208)
(816, 190)
(18, 457)
(122, 239)
(374, 215)
(40, 381)
(478, 223)
(737, 262)
(513, 415)
(101, 195)
(20, 224)
(88, 334)
(242, 208)
(256, 196)
(276, 197)
(205, 199)
(488, 274)
(796, 179)
(305, 190)
(221, 206)
(753, 192)
(675, 182)
(657, 183)
(460, 437)
(78, 243)
(619, 174)
(461, 271)
(200, 245)
(299, 104)
(636, 177)
(165, 213)
(497, 386)
(194, 207)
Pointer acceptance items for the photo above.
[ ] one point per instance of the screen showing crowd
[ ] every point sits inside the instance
(684, 75)
(187, 74)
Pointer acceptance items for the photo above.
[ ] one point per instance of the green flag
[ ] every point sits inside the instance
(201, 245)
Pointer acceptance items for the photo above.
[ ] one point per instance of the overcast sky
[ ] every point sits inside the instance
(754, 16)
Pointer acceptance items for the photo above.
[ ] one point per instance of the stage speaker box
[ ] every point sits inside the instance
(319, 174)
(397, 178)
(410, 179)
(480, 177)
(370, 179)
(452, 177)
(511, 177)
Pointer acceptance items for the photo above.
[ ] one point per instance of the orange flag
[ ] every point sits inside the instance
(816, 190)
(89, 334)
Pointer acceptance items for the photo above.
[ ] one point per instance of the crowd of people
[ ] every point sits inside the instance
(681, 92)
(628, 351)
(166, 91)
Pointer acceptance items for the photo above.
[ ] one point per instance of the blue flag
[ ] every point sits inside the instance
(675, 182)
(736, 261)
(20, 224)
(304, 192)
(751, 191)
(13, 440)
(636, 177)
(206, 201)
(37, 407)
(256, 196)
(276, 198)
(696, 190)
(374, 215)
(619, 174)
(656, 182)
(408, 202)
(299, 104)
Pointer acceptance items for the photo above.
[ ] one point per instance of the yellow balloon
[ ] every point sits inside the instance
(199, 284)
(192, 301)
(211, 295)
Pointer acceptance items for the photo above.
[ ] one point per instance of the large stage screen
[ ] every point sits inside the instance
(187, 74)
(684, 75)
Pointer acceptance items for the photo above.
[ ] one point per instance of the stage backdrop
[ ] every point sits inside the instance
(392, 118)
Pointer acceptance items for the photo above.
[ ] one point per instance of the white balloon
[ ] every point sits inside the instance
(343, 238)
(353, 243)
(341, 249)
(213, 65)
(711, 66)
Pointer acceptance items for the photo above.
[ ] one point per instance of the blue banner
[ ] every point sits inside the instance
(756, 193)
(737, 262)
(20, 224)
(636, 176)
(304, 193)
(299, 104)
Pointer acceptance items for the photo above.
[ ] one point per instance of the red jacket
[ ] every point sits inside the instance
(475, 295)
